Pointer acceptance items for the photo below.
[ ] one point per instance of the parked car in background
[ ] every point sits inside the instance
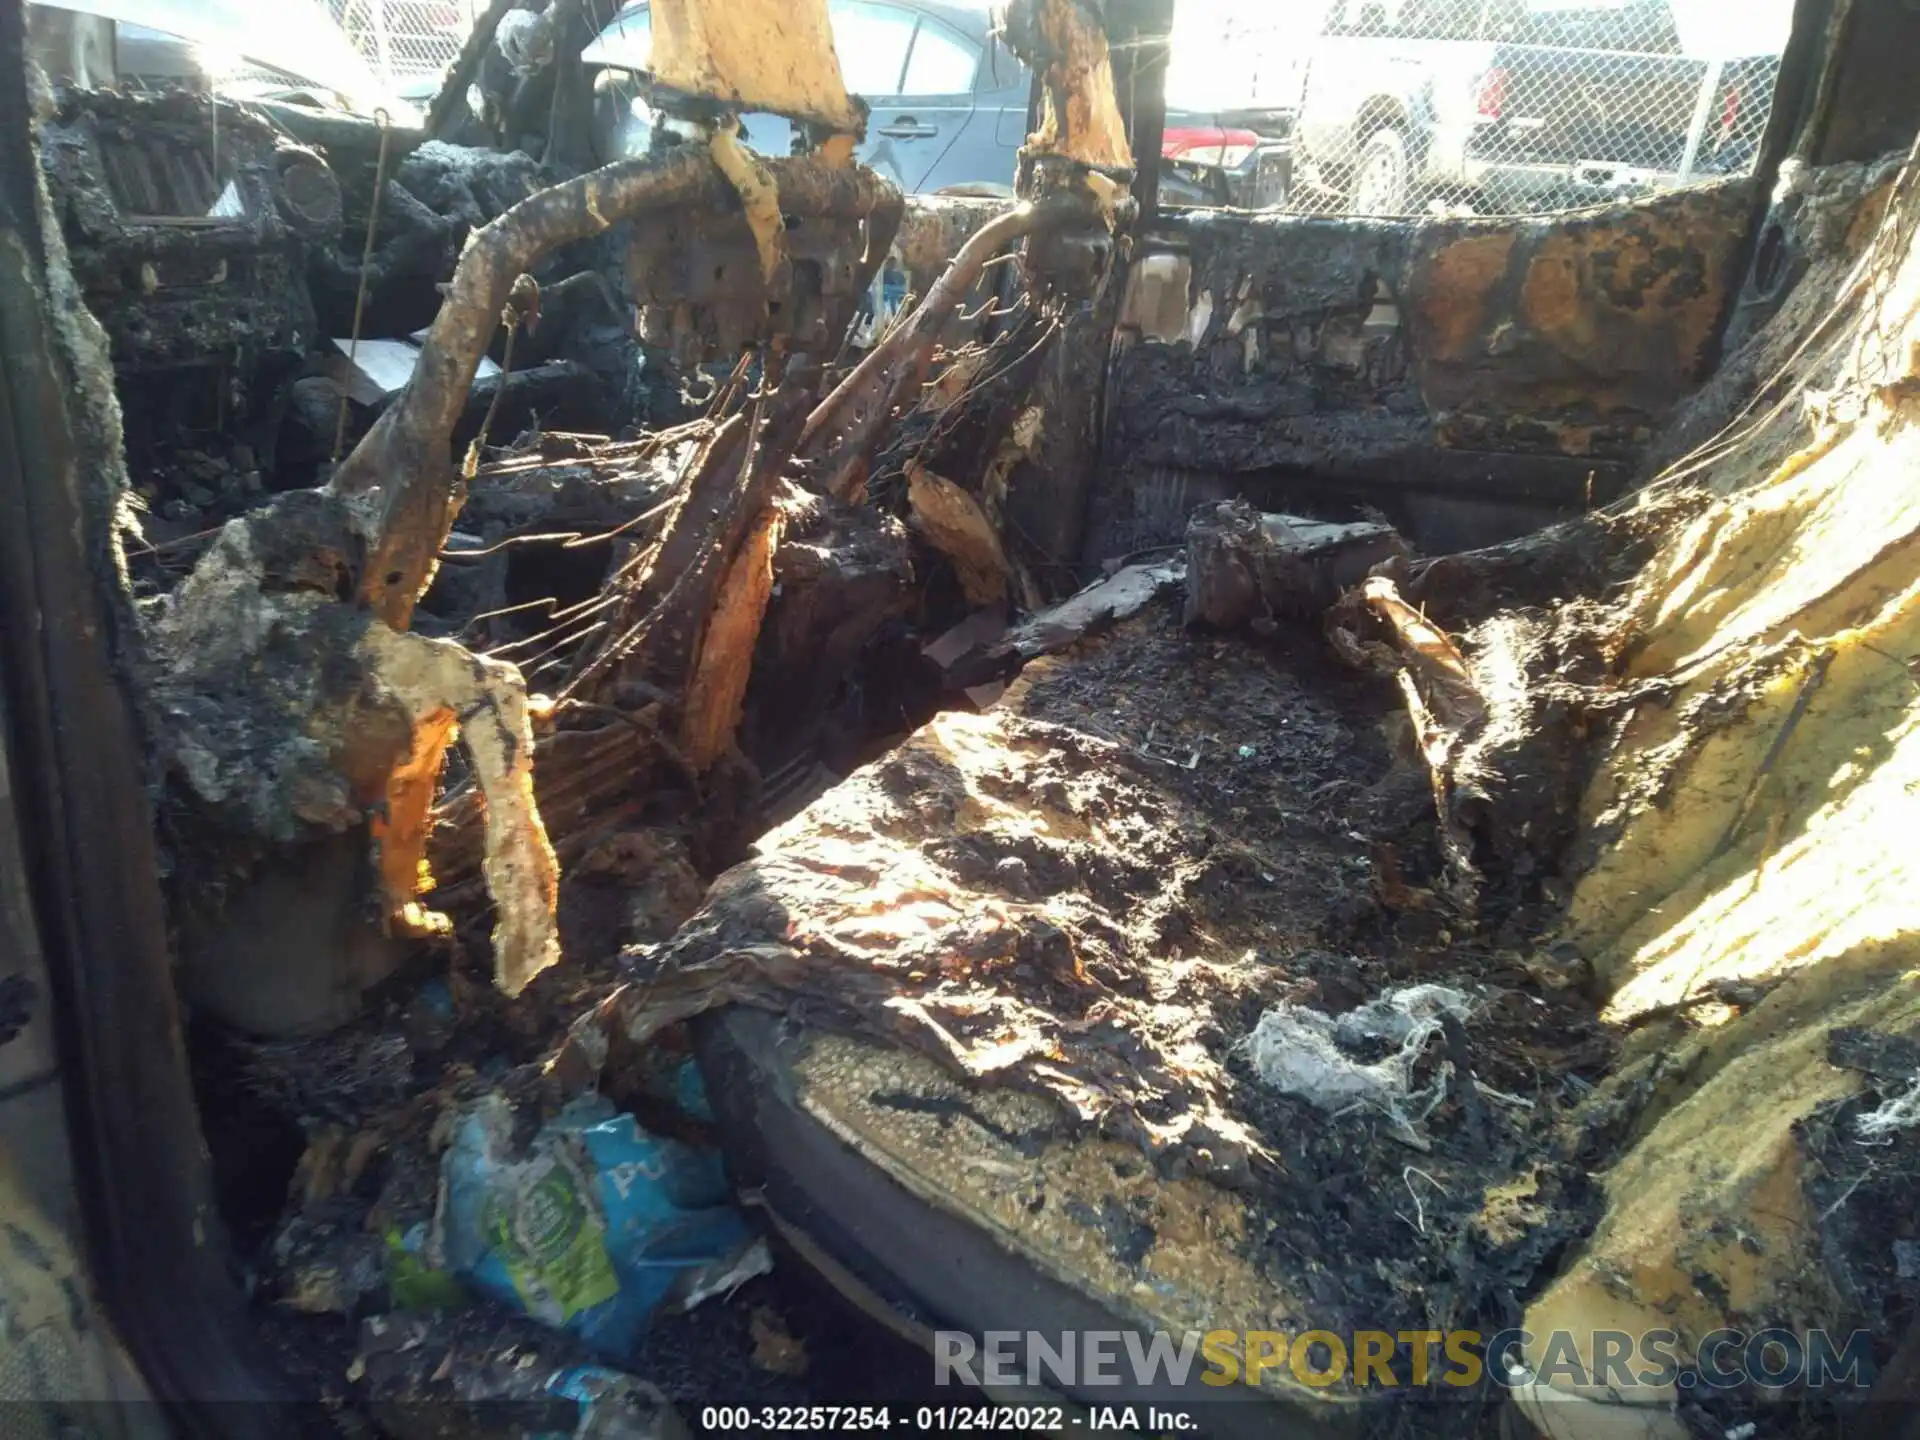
(1236, 160)
(949, 106)
(1234, 79)
(1513, 105)
(949, 102)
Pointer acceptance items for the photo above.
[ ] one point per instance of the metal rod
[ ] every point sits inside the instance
(863, 400)
(360, 297)
(1696, 132)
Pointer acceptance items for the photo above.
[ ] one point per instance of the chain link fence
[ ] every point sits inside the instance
(1465, 107)
(409, 43)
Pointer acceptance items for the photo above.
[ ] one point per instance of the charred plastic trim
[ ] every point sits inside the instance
(870, 1236)
(154, 1240)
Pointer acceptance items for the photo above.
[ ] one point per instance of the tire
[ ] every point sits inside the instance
(1380, 184)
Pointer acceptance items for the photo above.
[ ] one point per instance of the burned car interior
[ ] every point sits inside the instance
(687, 793)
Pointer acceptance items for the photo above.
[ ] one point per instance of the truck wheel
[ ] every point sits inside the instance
(1380, 177)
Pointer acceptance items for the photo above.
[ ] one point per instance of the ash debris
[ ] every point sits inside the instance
(651, 640)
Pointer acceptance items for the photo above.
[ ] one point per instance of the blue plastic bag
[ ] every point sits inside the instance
(594, 1226)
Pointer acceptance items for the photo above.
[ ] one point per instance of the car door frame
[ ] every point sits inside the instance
(1004, 99)
(902, 108)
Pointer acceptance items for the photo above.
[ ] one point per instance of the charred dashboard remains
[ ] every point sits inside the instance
(190, 223)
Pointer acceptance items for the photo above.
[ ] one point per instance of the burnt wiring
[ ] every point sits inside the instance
(366, 266)
(951, 416)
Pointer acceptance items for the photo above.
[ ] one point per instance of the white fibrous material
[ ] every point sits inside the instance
(1902, 1112)
(1305, 1052)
